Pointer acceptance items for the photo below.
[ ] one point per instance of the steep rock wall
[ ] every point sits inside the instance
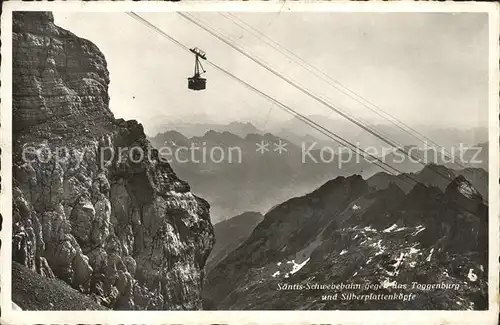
(86, 208)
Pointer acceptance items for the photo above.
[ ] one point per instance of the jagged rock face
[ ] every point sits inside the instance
(348, 232)
(125, 230)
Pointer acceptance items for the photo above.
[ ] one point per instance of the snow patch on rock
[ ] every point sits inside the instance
(467, 190)
(418, 229)
(394, 228)
(297, 267)
(472, 276)
(428, 259)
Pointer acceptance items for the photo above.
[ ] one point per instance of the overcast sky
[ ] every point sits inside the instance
(424, 68)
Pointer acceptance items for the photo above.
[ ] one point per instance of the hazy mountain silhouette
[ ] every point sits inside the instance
(249, 180)
(261, 180)
(445, 137)
(241, 129)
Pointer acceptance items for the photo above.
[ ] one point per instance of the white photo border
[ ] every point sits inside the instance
(10, 316)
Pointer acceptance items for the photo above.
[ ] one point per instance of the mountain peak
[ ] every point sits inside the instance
(350, 183)
(211, 133)
(395, 190)
(421, 192)
(433, 169)
(241, 129)
(242, 124)
(220, 135)
(173, 133)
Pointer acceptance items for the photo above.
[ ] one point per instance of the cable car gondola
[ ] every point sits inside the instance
(196, 82)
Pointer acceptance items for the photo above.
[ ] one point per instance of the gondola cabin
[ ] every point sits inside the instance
(196, 82)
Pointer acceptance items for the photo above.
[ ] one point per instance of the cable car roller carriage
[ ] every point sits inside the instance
(196, 82)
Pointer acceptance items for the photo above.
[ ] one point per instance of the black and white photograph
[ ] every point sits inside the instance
(249, 160)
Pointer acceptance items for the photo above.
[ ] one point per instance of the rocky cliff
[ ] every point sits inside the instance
(88, 208)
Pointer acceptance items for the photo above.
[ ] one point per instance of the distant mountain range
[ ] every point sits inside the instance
(296, 131)
(257, 181)
(444, 137)
(355, 232)
(189, 130)
(263, 179)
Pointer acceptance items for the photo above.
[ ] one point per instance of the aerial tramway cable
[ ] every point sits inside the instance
(301, 117)
(306, 68)
(306, 120)
(318, 127)
(336, 84)
(336, 138)
(359, 120)
(345, 90)
(307, 92)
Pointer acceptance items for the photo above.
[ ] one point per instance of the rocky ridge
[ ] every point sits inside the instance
(348, 232)
(86, 209)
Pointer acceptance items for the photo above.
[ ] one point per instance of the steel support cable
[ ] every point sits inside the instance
(358, 119)
(334, 136)
(308, 121)
(301, 65)
(336, 84)
(311, 123)
(318, 98)
(307, 92)
(348, 92)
